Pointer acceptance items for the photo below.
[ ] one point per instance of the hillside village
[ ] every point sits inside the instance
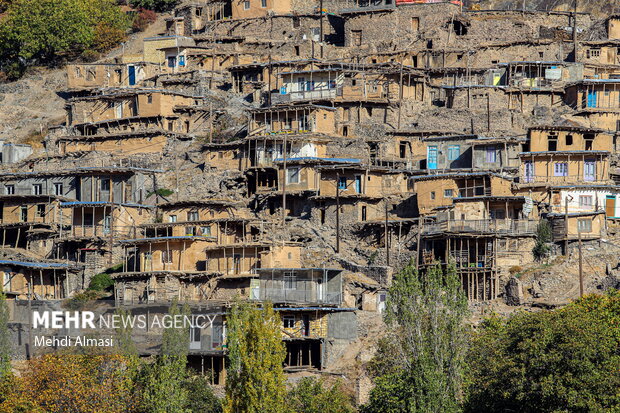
(302, 152)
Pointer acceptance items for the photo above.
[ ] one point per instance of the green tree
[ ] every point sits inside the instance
(256, 381)
(543, 238)
(314, 396)
(163, 389)
(126, 344)
(566, 360)
(419, 368)
(157, 5)
(5, 340)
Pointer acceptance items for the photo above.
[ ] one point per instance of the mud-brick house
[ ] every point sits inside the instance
(449, 152)
(482, 237)
(597, 101)
(437, 191)
(86, 77)
(564, 155)
(293, 119)
(32, 221)
(584, 225)
(169, 108)
(356, 193)
(39, 280)
(497, 154)
(225, 220)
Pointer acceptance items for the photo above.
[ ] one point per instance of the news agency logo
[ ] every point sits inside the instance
(89, 320)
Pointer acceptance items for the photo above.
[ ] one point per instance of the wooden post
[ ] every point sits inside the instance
(566, 226)
(337, 211)
(580, 264)
(284, 182)
(387, 238)
(488, 111)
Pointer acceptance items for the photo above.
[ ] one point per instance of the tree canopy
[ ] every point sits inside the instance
(567, 360)
(48, 31)
(419, 367)
(256, 381)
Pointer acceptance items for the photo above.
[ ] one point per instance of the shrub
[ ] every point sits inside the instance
(515, 269)
(143, 19)
(101, 282)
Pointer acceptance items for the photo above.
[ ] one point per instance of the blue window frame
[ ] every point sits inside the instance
(454, 151)
(342, 183)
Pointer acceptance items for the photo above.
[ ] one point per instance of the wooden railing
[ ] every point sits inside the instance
(492, 226)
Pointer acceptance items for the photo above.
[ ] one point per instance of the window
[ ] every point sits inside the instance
(205, 231)
(192, 216)
(415, 24)
(58, 190)
(342, 183)
(149, 99)
(585, 200)
(292, 175)
(432, 194)
(491, 154)
(24, 213)
(356, 37)
(6, 282)
(593, 53)
(290, 281)
(105, 184)
(9, 189)
(454, 151)
(172, 61)
(263, 3)
(288, 321)
(447, 193)
(584, 225)
(37, 189)
(172, 218)
(560, 169)
(569, 140)
(166, 257)
(198, 12)
(296, 22)
(190, 231)
(246, 5)
(40, 210)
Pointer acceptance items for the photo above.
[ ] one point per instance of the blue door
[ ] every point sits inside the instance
(358, 184)
(132, 75)
(592, 98)
(431, 157)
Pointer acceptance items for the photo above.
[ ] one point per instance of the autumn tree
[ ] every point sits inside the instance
(72, 383)
(256, 381)
(566, 360)
(156, 5)
(419, 367)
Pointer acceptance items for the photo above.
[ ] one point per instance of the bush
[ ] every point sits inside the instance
(157, 5)
(313, 396)
(143, 19)
(201, 398)
(515, 269)
(101, 282)
(79, 300)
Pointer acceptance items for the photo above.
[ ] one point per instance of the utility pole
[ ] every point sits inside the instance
(321, 28)
(580, 264)
(575, 31)
(566, 226)
(387, 237)
(284, 183)
(337, 211)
